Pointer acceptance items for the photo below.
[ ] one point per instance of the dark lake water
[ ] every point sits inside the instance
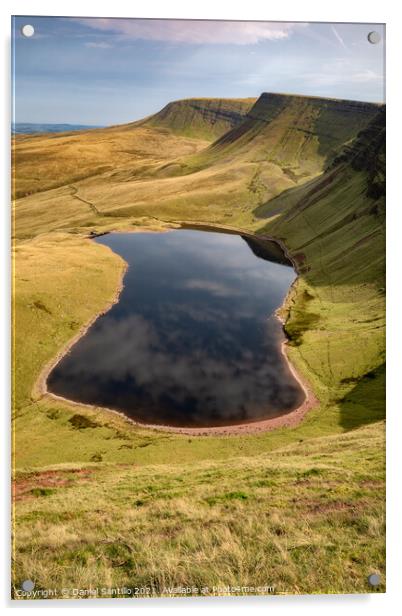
(193, 340)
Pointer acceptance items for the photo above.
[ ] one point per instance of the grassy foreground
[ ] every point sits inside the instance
(308, 519)
(100, 502)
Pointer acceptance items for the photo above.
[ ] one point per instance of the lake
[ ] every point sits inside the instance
(193, 340)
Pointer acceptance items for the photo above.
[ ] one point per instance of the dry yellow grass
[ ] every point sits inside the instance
(308, 519)
(47, 161)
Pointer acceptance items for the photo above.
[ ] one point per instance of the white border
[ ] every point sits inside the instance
(289, 10)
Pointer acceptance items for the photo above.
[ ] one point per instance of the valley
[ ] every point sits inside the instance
(306, 171)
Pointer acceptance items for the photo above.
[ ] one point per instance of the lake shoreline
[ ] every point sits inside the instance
(288, 420)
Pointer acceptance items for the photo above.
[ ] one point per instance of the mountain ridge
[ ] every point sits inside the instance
(205, 118)
(314, 121)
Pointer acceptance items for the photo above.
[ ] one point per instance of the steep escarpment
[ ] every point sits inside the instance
(202, 118)
(334, 226)
(299, 133)
(367, 153)
(283, 142)
(363, 157)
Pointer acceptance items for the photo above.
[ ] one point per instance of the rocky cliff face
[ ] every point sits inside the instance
(203, 118)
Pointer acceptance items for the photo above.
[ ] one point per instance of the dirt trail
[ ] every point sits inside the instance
(74, 193)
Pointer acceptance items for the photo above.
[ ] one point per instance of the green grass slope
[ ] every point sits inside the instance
(283, 141)
(202, 118)
(137, 171)
(297, 133)
(334, 226)
(309, 519)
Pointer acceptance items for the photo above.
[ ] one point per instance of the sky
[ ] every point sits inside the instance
(105, 71)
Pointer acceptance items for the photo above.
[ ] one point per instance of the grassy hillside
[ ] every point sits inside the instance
(283, 141)
(202, 118)
(304, 502)
(335, 228)
(52, 160)
(309, 519)
(49, 160)
(297, 133)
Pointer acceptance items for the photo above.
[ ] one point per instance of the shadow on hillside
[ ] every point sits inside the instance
(365, 403)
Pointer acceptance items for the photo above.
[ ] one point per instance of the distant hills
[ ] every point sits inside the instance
(234, 154)
(28, 128)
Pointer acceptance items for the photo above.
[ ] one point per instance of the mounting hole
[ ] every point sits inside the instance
(28, 585)
(27, 30)
(374, 579)
(374, 37)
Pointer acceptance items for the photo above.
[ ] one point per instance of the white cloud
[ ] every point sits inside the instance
(333, 78)
(100, 45)
(340, 71)
(211, 286)
(367, 75)
(196, 32)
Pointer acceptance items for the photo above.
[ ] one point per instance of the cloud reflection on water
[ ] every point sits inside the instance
(189, 342)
